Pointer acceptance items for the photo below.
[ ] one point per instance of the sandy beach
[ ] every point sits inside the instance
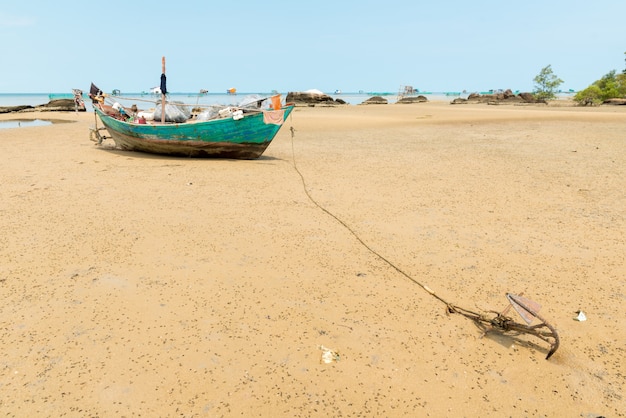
(142, 285)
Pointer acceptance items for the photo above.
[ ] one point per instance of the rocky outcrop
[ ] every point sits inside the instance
(58, 105)
(311, 98)
(529, 98)
(615, 102)
(375, 100)
(412, 99)
(11, 109)
(505, 97)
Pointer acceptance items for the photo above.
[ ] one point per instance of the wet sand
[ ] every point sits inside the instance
(141, 285)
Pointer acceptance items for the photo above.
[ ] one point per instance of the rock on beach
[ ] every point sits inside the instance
(375, 100)
(312, 98)
(412, 99)
(57, 105)
(505, 97)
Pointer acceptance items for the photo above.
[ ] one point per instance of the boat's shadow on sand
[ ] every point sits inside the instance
(146, 156)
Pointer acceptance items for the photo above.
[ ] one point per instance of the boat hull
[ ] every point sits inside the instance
(246, 138)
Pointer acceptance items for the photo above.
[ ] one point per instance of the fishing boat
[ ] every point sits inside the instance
(231, 132)
(60, 96)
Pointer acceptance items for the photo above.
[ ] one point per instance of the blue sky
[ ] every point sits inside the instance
(264, 45)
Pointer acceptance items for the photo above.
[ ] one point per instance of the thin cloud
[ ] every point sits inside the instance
(12, 21)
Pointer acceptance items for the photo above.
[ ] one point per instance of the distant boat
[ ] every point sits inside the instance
(59, 96)
(407, 91)
(231, 90)
(337, 91)
(410, 91)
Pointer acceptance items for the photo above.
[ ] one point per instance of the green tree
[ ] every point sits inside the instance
(546, 84)
(611, 85)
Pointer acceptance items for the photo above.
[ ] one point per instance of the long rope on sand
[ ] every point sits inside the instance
(356, 236)
(523, 306)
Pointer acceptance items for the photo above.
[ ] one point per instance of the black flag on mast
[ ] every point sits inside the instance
(163, 86)
(94, 90)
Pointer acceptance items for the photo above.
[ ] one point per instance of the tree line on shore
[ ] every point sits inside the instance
(610, 86)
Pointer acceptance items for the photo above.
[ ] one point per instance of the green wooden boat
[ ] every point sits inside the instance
(245, 135)
(59, 96)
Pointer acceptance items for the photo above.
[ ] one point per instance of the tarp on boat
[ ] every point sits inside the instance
(174, 112)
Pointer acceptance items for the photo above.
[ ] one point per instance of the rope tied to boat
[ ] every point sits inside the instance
(94, 133)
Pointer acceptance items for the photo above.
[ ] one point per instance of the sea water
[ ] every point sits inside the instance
(23, 123)
(23, 99)
(146, 100)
